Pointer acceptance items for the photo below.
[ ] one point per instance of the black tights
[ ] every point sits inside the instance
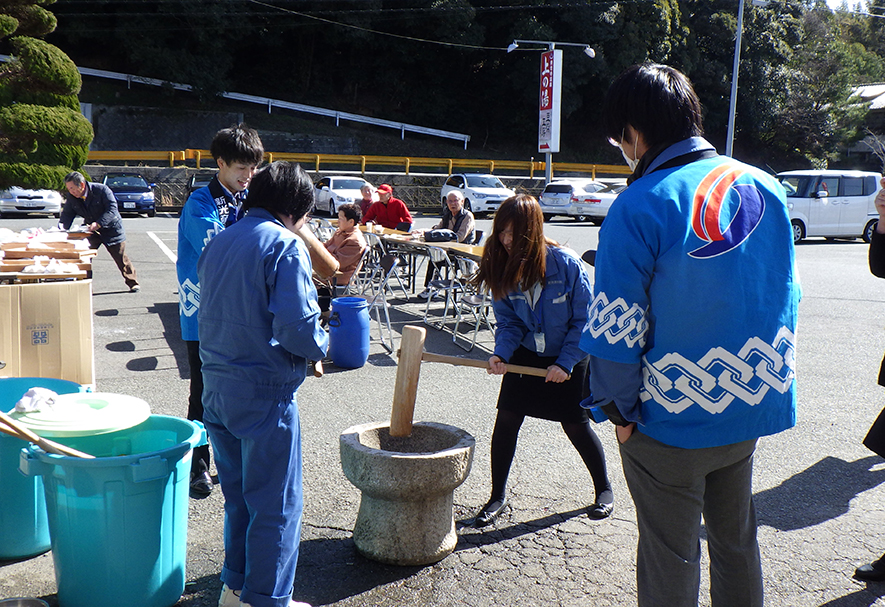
(581, 435)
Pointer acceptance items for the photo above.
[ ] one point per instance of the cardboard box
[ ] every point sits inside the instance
(46, 330)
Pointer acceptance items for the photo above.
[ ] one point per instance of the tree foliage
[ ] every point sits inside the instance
(443, 63)
(43, 135)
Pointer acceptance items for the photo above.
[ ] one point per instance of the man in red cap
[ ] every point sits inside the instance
(390, 212)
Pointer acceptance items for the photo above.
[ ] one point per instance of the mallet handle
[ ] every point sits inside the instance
(481, 364)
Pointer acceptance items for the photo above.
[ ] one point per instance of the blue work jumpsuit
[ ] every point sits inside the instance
(258, 326)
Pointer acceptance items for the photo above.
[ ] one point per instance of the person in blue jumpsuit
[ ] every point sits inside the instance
(237, 151)
(259, 324)
(540, 294)
(692, 338)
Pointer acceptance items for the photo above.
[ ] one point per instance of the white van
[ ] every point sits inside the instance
(832, 204)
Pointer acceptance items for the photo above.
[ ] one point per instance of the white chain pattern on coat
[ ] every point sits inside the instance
(720, 376)
(616, 320)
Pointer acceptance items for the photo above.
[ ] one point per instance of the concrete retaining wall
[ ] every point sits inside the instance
(420, 193)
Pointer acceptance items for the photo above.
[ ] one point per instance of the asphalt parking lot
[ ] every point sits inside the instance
(818, 491)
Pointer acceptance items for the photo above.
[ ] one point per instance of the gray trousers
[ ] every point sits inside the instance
(672, 488)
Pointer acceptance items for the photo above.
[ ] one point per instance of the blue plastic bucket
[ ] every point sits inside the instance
(118, 523)
(24, 530)
(349, 332)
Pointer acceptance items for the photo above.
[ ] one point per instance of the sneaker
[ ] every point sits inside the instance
(134, 289)
(425, 294)
(229, 598)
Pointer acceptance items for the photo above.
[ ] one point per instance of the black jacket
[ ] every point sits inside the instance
(99, 207)
(875, 439)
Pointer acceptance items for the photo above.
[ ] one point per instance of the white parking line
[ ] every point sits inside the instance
(163, 247)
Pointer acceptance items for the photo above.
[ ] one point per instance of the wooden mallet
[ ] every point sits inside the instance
(408, 370)
(405, 390)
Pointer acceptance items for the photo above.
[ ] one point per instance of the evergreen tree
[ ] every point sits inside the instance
(43, 135)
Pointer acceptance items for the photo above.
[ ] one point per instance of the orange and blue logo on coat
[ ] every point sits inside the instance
(724, 212)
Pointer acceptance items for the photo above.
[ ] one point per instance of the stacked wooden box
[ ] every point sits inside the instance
(19, 255)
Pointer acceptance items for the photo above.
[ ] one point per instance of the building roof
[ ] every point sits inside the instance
(874, 94)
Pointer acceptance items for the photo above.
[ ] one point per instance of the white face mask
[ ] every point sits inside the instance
(631, 162)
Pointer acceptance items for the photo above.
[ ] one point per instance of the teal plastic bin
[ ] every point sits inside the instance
(118, 523)
(24, 531)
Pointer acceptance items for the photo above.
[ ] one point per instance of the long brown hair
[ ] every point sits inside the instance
(502, 272)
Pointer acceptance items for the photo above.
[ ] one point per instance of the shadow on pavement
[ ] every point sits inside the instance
(817, 494)
(468, 537)
(861, 598)
(331, 570)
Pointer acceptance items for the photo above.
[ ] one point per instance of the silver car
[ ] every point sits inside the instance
(558, 197)
(332, 192)
(483, 193)
(19, 201)
(594, 206)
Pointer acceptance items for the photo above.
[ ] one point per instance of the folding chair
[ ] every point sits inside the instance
(378, 299)
(324, 233)
(444, 281)
(372, 266)
(473, 301)
(379, 251)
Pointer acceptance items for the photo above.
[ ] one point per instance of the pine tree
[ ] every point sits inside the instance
(43, 135)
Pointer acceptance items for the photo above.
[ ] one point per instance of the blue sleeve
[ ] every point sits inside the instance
(618, 383)
(509, 329)
(625, 261)
(580, 290)
(293, 304)
(199, 220)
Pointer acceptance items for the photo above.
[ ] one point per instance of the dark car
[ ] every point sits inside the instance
(197, 181)
(133, 193)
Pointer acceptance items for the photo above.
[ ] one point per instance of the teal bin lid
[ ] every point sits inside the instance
(85, 414)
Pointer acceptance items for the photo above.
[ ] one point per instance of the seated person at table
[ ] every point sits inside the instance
(388, 211)
(457, 219)
(368, 198)
(346, 245)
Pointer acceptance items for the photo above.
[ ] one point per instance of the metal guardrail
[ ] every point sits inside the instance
(402, 127)
(445, 166)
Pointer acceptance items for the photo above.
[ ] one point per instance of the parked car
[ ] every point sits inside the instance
(594, 206)
(559, 195)
(332, 192)
(197, 181)
(19, 201)
(482, 193)
(831, 203)
(132, 191)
